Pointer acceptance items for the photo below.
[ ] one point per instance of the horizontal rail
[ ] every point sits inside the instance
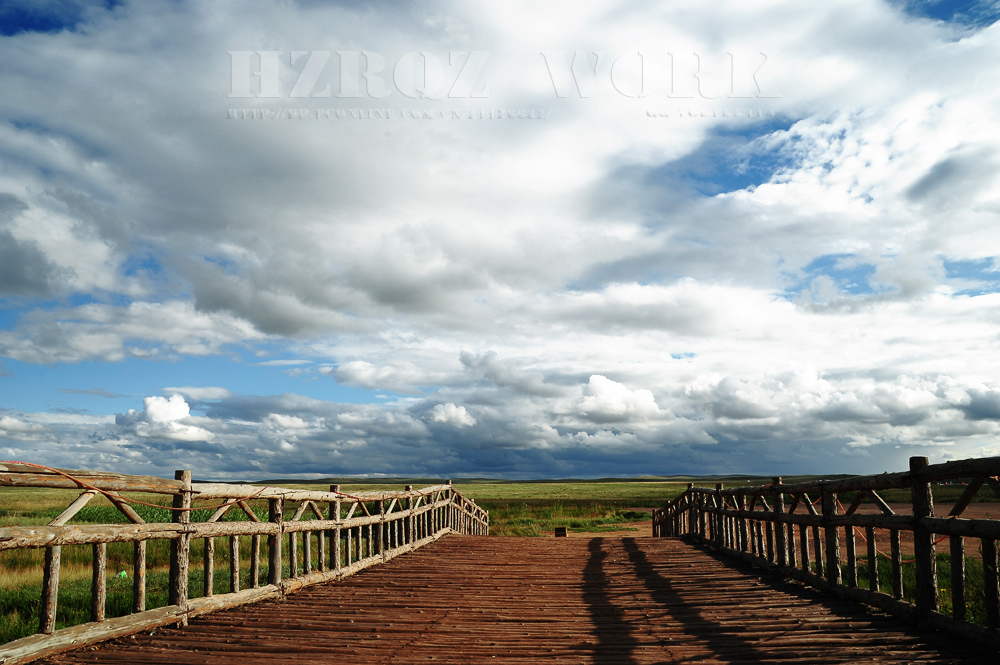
(819, 546)
(350, 531)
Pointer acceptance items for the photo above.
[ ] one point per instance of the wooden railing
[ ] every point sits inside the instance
(740, 522)
(351, 531)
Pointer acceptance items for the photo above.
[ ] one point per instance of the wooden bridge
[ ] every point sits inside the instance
(459, 596)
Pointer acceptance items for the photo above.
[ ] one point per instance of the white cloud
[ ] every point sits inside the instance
(597, 282)
(449, 414)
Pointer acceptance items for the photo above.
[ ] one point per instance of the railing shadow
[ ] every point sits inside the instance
(614, 634)
(726, 646)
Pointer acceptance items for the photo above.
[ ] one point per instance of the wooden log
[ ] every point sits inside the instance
(957, 526)
(779, 527)
(957, 547)
(307, 562)
(321, 538)
(139, 576)
(882, 505)
(234, 564)
(100, 480)
(833, 574)
(817, 551)
(923, 541)
(897, 565)
(254, 561)
(180, 548)
(50, 590)
(872, 559)
(209, 567)
(335, 514)
(73, 508)
(991, 583)
(293, 554)
(275, 515)
(852, 557)
(99, 582)
(225, 491)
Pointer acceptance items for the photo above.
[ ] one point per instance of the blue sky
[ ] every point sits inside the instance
(302, 239)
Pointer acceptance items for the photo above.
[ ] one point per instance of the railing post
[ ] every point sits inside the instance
(832, 535)
(50, 590)
(410, 522)
(741, 503)
(275, 515)
(180, 548)
(923, 541)
(719, 538)
(780, 528)
(139, 576)
(334, 514)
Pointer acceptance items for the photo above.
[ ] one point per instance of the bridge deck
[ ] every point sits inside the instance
(573, 600)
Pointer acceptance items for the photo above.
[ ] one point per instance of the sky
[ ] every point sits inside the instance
(269, 238)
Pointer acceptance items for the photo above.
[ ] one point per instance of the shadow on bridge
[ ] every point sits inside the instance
(617, 641)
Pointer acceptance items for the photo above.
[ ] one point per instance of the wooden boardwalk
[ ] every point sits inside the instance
(521, 600)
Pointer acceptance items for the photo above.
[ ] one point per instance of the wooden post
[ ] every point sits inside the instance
(139, 576)
(307, 558)
(780, 529)
(335, 515)
(234, 564)
(897, 565)
(410, 522)
(99, 582)
(180, 548)
(957, 578)
(744, 531)
(872, 559)
(275, 515)
(255, 561)
(818, 551)
(804, 541)
(209, 567)
(719, 519)
(833, 575)
(293, 554)
(50, 590)
(991, 583)
(321, 550)
(923, 540)
(852, 557)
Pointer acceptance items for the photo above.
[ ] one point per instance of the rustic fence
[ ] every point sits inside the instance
(740, 522)
(350, 531)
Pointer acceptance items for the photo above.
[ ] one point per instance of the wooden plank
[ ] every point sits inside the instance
(98, 582)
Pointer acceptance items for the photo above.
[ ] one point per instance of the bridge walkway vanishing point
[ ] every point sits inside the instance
(467, 599)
